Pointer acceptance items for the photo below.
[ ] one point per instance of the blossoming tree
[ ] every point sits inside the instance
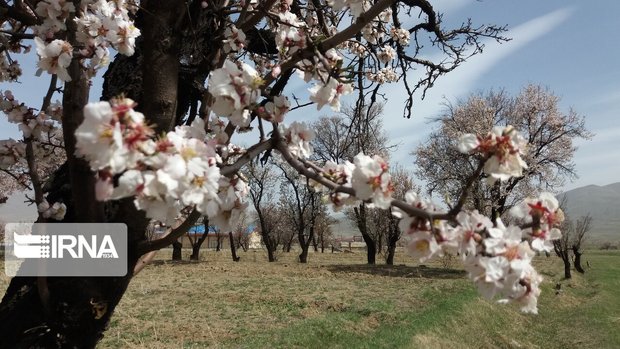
(197, 72)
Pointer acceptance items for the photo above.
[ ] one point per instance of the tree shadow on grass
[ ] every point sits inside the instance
(171, 262)
(402, 271)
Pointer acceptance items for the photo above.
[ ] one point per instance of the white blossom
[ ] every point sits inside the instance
(54, 57)
(298, 137)
(371, 180)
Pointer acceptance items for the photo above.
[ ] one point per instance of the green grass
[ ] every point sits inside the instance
(338, 302)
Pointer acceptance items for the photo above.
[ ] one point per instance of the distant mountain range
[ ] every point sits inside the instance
(603, 204)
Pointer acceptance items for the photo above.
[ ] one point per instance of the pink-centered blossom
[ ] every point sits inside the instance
(54, 57)
(329, 93)
(503, 148)
(298, 137)
(371, 180)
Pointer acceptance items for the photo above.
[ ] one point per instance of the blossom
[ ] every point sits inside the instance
(386, 54)
(290, 33)
(371, 180)
(341, 175)
(275, 111)
(54, 57)
(383, 75)
(56, 211)
(112, 135)
(11, 151)
(53, 14)
(10, 70)
(298, 137)
(329, 93)
(235, 39)
(400, 35)
(469, 231)
(357, 7)
(235, 88)
(422, 245)
(503, 148)
(227, 210)
(545, 211)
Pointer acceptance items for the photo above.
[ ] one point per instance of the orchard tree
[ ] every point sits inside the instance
(241, 233)
(535, 113)
(568, 247)
(403, 183)
(189, 76)
(302, 207)
(197, 241)
(262, 183)
(339, 138)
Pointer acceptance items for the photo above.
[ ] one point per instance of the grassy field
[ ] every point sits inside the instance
(338, 302)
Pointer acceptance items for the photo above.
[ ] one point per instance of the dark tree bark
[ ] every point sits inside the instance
(195, 256)
(218, 241)
(392, 238)
(304, 243)
(564, 254)
(197, 242)
(270, 246)
(391, 250)
(233, 249)
(567, 274)
(371, 246)
(177, 251)
(577, 261)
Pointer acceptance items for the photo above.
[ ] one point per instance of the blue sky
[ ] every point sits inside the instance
(566, 45)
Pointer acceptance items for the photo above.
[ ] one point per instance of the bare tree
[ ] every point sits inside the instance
(241, 233)
(582, 227)
(535, 114)
(323, 230)
(197, 241)
(262, 183)
(403, 182)
(568, 247)
(219, 238)
(302, 206)
(562, 247)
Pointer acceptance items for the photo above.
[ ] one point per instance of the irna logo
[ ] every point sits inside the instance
(65, 249)
(63, 246)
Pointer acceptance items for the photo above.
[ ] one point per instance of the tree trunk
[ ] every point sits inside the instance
(303, 256)
(271, 255)
(371, 249)
(195, 256)
(271, 249)
(218, 242)
(391, 250)
(177, 251)
(371, 246)
(233, 249)
(566, 267)
(392, 239)
(577, 261)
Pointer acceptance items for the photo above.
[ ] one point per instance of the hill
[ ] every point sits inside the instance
(602, 202)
